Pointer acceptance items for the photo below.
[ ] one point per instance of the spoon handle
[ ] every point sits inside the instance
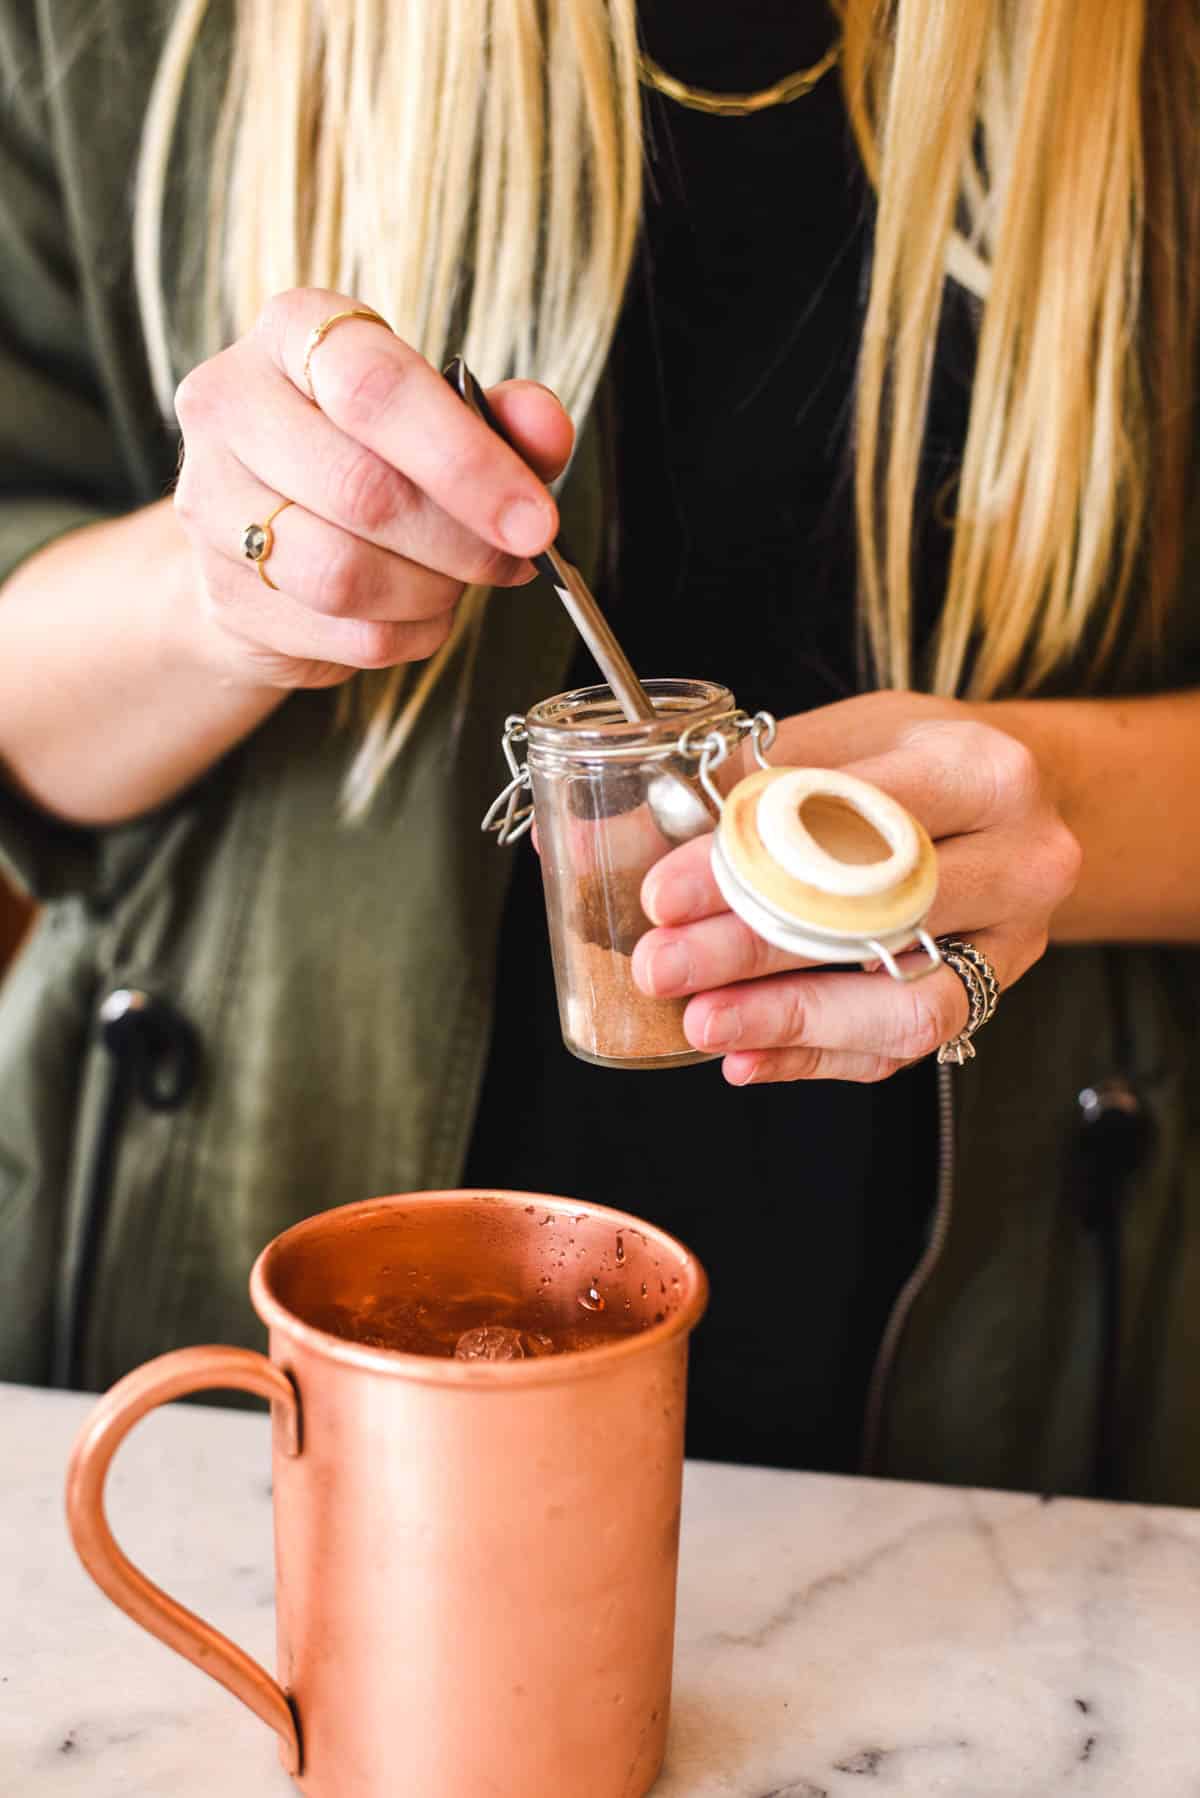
(597, 633)
(568, 583)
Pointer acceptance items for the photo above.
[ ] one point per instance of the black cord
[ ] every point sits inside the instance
(1114, 1139)
(154, 1055)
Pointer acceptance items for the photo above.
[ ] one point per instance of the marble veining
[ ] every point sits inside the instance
(837, 1638)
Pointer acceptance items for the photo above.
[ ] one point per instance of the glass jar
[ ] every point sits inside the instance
(598, 784)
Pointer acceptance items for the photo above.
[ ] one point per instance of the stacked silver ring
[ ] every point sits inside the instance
(983, 993)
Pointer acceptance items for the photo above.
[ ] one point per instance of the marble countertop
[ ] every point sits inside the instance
(836, 1637)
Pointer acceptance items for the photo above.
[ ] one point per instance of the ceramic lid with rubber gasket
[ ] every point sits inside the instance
(826, 866)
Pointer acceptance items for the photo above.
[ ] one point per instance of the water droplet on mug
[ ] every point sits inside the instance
(643, 1289)
(620, 1249)
(491, 1342)
(529, 1210)
(591, 1299)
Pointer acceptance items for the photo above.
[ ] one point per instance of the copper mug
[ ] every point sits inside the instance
(475, 1560)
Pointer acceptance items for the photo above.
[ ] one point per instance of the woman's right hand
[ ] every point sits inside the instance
(400, 495)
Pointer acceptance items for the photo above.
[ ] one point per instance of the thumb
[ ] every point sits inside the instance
(540, 430)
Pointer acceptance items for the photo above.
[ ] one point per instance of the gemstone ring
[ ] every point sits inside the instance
(258, 540)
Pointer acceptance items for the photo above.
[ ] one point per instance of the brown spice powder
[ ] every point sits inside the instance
(610, 1016)
(607, 910)
(607, 1013)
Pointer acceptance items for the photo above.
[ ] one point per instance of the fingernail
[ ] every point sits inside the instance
(670, 968)
(739, 1070)
(671, 901)
(526, 526)
(724, 1026)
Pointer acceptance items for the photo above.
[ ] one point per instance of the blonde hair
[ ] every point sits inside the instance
(472, 168)
(1008, 140)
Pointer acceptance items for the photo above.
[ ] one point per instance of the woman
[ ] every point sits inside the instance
(236, 1009)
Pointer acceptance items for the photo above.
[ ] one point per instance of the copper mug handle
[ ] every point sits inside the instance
(169, 1377)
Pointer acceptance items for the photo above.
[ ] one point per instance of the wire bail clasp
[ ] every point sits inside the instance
(505, 815)
(714, 747)
(906, 976)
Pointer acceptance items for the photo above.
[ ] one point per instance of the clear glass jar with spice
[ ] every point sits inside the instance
(598, 785)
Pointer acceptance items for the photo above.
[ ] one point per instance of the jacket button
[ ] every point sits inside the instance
(153, 1043)
(1116, 1134)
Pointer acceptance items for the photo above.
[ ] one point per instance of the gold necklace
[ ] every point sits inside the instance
(736, 106)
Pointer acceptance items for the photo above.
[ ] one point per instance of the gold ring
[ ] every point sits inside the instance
(258, 540)
(320, 332)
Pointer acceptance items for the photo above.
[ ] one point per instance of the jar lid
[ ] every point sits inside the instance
(823, 864)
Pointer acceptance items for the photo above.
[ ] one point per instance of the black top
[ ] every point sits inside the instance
(734, 373)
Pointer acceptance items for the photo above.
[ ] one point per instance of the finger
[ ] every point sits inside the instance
(534, 419)
(978, 883)
(680, 887)
(241, 403)
(379, 391)
(955, 775)
(857, 1012)
(293, 631)
(714, 952)
(986, 879)
(315, 562)
(770, 1066)
(983, 880)
(270, 618)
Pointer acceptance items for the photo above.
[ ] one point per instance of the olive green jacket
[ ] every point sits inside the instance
(336, 982)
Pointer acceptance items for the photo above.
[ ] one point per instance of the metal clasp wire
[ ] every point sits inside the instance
(763, 731)
(713, 749)
(929, 966)
(517, 819)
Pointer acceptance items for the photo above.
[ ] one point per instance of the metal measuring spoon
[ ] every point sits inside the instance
(680, 808)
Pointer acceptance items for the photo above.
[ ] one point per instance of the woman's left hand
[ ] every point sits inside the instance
(1006, 862)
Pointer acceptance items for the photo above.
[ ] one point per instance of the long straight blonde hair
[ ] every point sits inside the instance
(472, 168)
